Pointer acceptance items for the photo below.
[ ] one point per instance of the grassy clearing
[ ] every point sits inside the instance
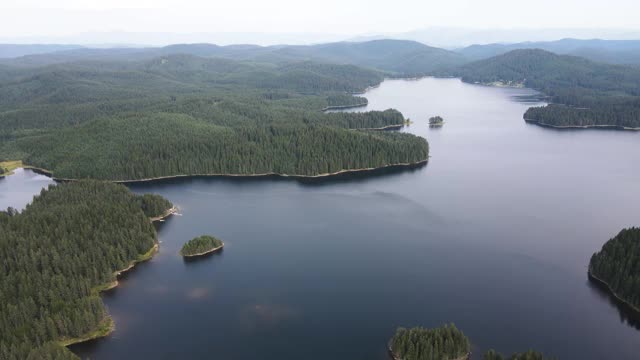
(10, 166)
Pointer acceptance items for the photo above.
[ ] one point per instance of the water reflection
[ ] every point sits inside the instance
(628, 315)
(358, 176)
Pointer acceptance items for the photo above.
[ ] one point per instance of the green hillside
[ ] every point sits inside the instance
(184, 114)
(583, 92)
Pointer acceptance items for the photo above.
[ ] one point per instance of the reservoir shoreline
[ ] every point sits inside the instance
(204, 252)
(344, 107)
(410, 165)
(608, 288)
(581, 127)
(108, 326)
(461, 215)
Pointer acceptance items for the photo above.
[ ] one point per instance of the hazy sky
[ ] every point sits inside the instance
(63, 17)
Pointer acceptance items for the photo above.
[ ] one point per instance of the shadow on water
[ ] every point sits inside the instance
(530, 98)
(346, 177)
(87, 346)
(628, 315)
(363, 175)
(191, 260)
(610, 128)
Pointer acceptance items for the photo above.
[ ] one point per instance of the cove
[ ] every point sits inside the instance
(493, 234)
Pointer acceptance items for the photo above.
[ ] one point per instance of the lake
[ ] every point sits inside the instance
(494, 235)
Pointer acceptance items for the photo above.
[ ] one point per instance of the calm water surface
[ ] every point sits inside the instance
(494, 234)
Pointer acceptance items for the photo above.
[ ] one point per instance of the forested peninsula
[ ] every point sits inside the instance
(58, 254)
(180, 115)
(201, 245)
(583, 93)
(617, 266)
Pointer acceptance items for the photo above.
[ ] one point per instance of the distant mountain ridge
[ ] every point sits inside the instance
(394, 56)
(609, 51)
(17, 50)
(399, 56)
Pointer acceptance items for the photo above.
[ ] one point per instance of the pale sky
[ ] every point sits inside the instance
(29, 18)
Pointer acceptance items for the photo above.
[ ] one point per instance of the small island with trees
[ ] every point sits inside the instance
(201, 245)
(436, 121)
(617, 266)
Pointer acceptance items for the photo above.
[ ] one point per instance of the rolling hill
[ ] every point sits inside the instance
(398, 57)
(17, 50)
(183, 114)
(609, 51)
(583, 93)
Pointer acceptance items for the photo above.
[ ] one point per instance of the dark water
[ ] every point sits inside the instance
(494, 234)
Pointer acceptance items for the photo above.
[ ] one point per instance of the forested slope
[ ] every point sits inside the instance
(617, 264)
(183, 114)
(164, 144)
(54, 255)
(583, 92)
(609, 51)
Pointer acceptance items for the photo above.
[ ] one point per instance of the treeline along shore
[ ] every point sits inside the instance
(59, 253)
(180, 114)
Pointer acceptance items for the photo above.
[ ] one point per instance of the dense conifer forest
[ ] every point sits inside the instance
(183, 114)
(200, 245)
(623, 115)
(55, 256)
(617, 264)
(342, 101)
(444, 343)
(139, 147)
(583, 92)
(153, 205)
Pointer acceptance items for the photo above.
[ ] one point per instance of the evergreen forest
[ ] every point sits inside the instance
(58, 253)
(183, 114)
(581, 92)
(617, 264)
